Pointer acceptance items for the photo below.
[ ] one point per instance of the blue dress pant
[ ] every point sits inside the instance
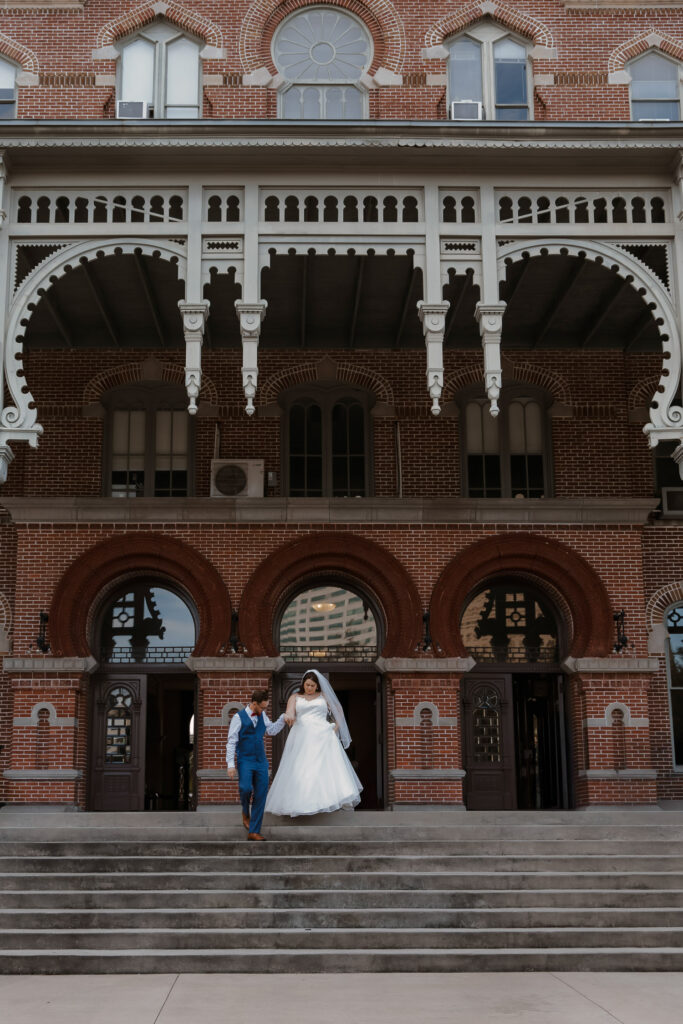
(253, 782)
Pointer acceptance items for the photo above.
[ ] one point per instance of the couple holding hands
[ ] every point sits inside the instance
(314, 776)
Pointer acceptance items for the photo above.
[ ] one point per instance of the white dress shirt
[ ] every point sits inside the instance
(272, 729)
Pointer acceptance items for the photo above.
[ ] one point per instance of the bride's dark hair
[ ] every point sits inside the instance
(309, 675)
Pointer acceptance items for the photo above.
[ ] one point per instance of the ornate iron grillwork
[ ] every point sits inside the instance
(487, 740)
(152, 656)
(343, 653)
(119, 726)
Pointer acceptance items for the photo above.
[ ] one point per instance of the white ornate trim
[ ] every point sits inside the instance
(43, 666)
(224, 718)
(611, 666)
(53, 718)
(19, 422)
(431, 774)
(606, 721)
(666, 418)
(43, 774)
(416, 721)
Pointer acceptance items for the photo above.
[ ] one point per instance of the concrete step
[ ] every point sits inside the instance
(340, 938)
(346, 880)
(359, 917)
(162, 899)
(396, 863)
(320, 960)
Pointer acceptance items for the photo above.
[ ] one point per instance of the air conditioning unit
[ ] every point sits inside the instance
(467, 110)
(132, 110)
(237, 478)
(672, 502)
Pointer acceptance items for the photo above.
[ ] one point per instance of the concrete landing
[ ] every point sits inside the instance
(542, 998)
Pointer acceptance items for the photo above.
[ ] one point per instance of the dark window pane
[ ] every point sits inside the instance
(7, 111)
(162, 483)
(297, 476)
(492, 476)
(340, 486)
(677, 722)
(536, 481)
(125, 484)
(314, 483)
(297, 429)
(475, 475)
(357, 430)
(357, 475)
(314, 432)
(666, 470)
(511, 82)
(339, 429)
(518, 480)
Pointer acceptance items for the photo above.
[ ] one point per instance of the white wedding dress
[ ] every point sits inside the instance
(315, 775)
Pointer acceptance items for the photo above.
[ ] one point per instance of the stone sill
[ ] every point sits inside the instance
(569, 511)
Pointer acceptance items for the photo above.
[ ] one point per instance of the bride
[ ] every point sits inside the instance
(315, 774)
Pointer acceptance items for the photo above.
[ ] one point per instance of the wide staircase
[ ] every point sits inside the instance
(394, 892)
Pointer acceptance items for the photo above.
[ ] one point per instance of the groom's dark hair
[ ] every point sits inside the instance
(258, 696)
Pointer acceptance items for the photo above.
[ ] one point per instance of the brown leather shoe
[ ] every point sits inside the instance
(256, 837)
(245, 821)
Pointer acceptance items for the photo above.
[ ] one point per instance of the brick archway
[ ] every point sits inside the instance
(117, 557)
(548, 561)
(369, 565)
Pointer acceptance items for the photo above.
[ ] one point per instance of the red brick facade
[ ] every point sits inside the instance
(589, 564)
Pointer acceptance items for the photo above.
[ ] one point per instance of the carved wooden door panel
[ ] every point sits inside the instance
(489, 743)
(117, 774)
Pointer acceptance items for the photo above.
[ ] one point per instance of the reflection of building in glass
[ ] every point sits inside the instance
(505, 624)
(328, 617)
(145, 619)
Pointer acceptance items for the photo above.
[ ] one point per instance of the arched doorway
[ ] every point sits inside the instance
(331, 625)
(514, 729)
(143, 699)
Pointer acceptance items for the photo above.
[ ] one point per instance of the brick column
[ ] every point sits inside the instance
(48, 755)
(225, 685)
(424, 746)
(610, 730)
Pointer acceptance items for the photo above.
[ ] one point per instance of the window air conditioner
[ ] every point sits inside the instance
(132, 110)
(672, 502)
(467, 110)
(231, 478)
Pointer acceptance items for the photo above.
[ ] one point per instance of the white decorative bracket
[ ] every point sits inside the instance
(3, 181)
(6, 456)
(678, 458)
(678, 179)
(433, 319)
(194, 316)
(490, 319)
(251, 316)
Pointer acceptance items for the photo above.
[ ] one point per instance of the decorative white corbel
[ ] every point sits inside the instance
(3, 181)
(251, 316)
(678, 458)
(6, 456)
(433, 319)
(194, 316)
(678, 179)
(490, 319)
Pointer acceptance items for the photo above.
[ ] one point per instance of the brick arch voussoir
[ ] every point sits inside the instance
(504, 14)
(640, 44)
(175, 13)
(379, 16)
(519, 373)
(372, 567)
(307, 373)
(661, 601)
(120, 556)
(643, 393)
(133, 373)
(552, 563)
(21, 55)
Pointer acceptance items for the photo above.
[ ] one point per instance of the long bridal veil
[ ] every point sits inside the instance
(334, 705)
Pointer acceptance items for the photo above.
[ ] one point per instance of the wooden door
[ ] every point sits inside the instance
(489, 743)
(117, 773)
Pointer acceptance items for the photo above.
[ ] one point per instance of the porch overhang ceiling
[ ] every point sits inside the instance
(428, 145)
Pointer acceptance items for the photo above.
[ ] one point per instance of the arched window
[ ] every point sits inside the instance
(674, 625)
(146, 622)
(328, 623)
(160, 66)
(507, 456)
(322, 53)
(326, 445)
(510, 623)
(489, 75)
(149, 443)
(655, 88)
(8, 99)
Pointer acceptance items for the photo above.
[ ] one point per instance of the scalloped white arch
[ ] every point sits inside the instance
(666, 419)
(19, 421)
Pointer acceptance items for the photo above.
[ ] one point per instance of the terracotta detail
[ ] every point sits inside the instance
(89, 575)
(320, 555)
(551, 562)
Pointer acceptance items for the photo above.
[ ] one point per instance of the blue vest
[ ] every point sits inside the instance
(250, 740)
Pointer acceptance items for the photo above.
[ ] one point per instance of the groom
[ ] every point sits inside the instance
(245, 736)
